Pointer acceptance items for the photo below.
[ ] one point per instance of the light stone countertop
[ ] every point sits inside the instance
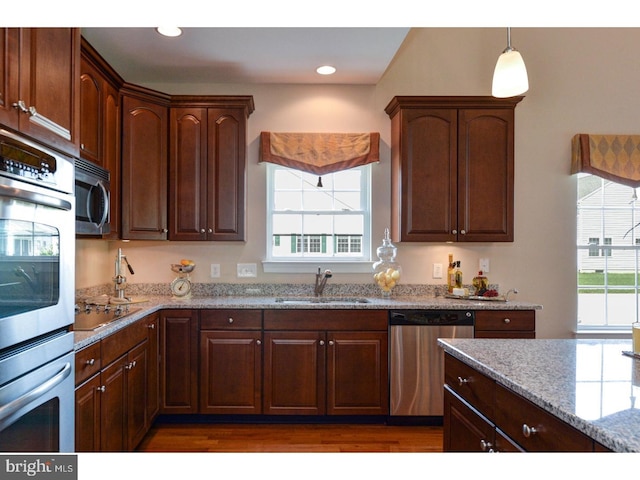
(589, 384)
(154, 303)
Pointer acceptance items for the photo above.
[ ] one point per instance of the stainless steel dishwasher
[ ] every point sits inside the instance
(416, 372)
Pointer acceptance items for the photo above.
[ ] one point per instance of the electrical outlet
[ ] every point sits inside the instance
(437, 270)
(215, 270)
(484, 265)
(247, 270)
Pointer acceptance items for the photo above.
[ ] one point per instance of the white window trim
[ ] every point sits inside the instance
(310, 264)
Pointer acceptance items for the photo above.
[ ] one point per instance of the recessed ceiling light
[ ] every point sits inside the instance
(169, 31)
(326, 70)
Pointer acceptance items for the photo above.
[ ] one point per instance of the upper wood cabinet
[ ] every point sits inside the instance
(145, 122)
(39, 84)
(452, 168)
(100, 123)
(207, 176)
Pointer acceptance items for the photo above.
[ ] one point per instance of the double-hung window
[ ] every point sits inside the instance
(608, 234)
(320, 219)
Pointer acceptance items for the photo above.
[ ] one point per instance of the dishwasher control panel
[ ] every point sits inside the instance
(431, 317)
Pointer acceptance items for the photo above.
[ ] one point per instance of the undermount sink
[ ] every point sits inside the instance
(303, 300)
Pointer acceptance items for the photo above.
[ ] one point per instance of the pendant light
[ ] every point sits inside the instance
(510, 76)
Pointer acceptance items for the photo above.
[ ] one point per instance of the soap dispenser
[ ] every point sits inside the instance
(387, 271)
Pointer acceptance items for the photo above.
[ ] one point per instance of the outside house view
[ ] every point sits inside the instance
(608, 237)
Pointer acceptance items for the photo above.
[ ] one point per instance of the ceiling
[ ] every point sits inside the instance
(249, 54)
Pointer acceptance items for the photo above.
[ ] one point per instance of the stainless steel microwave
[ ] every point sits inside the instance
(92, 199)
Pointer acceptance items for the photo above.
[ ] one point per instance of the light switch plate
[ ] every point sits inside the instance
(484, 265)
(246, 270)
(215, 270)
(437, 270)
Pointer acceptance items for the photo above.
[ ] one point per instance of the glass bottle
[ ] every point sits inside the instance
(387, 271)
(480, 283)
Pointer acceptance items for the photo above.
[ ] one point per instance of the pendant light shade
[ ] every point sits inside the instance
(510, 75)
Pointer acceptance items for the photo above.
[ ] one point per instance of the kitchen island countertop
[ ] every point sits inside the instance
(589, 384)
(155, 303)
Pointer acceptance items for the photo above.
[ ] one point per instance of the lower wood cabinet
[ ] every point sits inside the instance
(505, 324)
(179, 361)
(325, 362)
(482, 415)
(231, 361)
(115, 378)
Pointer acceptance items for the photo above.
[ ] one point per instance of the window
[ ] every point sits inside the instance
(608, 247)
(328, 223)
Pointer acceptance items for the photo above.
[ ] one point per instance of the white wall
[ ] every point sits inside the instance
(582, 81)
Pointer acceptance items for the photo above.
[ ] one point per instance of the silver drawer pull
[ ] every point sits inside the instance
(230, 320)
(462, 381)
(101, 388)
(90, 361)
(528, 431)
(507, 320)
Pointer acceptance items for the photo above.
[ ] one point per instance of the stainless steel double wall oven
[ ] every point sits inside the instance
(37, 265)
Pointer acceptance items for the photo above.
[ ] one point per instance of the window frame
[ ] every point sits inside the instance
(309, 263)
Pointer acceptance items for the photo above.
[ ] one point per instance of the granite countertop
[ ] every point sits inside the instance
(153, 303)
(589, 384)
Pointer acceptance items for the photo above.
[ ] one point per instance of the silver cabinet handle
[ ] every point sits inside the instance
(101, 389)
(210, 230)
(331, 342)
(486, 446)
(230, 320)
(131, 365)
(151, 326)
(258, 342)
(455, 232)
(462, 381)
(321, 342)
(202, 230)
(20, 105)
(165, 230)
(463, 232)
(528, 431)
(507, 320)
(90, 361)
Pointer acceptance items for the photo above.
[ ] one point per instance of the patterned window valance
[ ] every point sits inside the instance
(320, 153)
(613, 157)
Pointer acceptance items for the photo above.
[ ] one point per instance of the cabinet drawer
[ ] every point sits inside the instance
(473, 386)
(87, 362)
(231, 319)
(123, 340)
(515, 415)
(505, 320)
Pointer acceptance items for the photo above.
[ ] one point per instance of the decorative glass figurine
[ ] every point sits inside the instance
(387, 271)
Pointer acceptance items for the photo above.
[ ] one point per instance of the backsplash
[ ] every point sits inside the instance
(270, 290)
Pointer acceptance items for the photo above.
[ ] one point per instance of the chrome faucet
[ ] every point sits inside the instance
(321, 281)
(506, 295)
(119, 279)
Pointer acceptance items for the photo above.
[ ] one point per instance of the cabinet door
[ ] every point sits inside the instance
(9, 76)
(136, 370)
(87, 415)
(153, 367)
(179, 364)
(188, 174)
(294, 373)
(111, 155)
(91, 92)
(144, 170)
(226, 175)
(464, 429)
(113, 426)
(231, 372)
(485, 175)
(357, 372)
(50, 86)
(427, 193)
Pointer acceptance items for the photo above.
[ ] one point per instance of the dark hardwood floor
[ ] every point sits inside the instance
(274, 438)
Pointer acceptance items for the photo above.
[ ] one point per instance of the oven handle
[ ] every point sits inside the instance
(33, 197)
(15, 405)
